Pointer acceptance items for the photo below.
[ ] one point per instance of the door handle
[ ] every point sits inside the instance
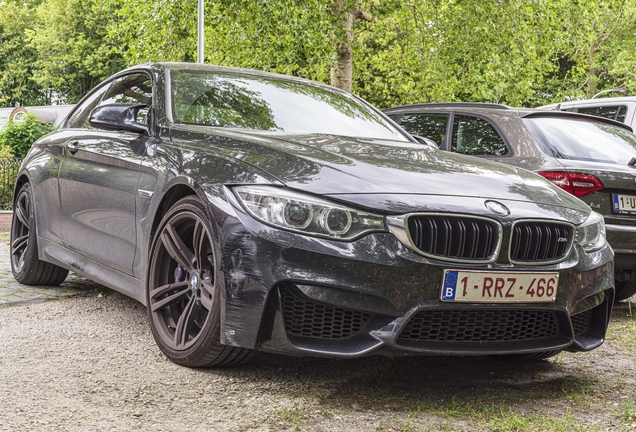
(72, 146)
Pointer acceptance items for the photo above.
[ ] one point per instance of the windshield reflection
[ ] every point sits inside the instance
(234, 100)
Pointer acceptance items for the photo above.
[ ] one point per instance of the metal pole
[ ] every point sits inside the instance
(614, 90)
(200, 30)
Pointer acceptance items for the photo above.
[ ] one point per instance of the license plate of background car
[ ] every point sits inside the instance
(624, 203)
(499, 287)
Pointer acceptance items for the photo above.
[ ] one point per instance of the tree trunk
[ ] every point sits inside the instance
(590, 73)
(342, 72)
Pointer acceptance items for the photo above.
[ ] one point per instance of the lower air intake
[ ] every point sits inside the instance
(581, 321)
(479, 325)
(305, 318)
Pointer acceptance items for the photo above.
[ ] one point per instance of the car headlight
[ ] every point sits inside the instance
(591, 233)
(306, 214)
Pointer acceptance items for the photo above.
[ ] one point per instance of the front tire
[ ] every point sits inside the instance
(624, 290)
(183, 290)
(26, 266)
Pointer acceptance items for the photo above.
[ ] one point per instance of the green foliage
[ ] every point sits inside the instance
(17, 58)
(293, 37)
(74, 52)
(515, 52)
(9, 167)
(518, 52)
(19, 136)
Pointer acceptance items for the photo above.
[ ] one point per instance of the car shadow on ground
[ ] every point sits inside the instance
(407, 384)
(432, 382)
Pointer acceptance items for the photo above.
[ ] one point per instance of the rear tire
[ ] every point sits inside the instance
(624, 290)
(183, 290)
(26, 266)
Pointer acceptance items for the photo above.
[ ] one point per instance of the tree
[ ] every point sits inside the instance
(294, 37)
(20, 135)
(17, 58)
(74, 51)
(448, 50)
(279, 36)
(518, 52)
(347, 12)
(597, 46)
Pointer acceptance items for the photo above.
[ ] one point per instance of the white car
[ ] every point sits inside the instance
(622, 109)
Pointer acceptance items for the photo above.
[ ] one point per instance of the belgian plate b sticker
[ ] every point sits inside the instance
(450, 285)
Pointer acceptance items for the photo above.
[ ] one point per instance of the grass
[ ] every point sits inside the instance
(295, 416)
(627, 412)
(499, 418)
(622, 329)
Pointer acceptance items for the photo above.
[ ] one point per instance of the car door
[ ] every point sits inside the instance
(98, 181)
(476, 136)
(433, 126)
(459, 133)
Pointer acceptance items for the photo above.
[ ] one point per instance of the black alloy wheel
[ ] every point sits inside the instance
(26, 266)
(183, 298)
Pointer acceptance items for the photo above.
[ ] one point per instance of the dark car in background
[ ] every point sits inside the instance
(251, 211)
(590, 157)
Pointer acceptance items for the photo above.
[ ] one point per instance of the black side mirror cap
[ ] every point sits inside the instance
(118, 117)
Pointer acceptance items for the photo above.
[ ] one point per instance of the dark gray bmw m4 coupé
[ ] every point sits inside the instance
(251, 211)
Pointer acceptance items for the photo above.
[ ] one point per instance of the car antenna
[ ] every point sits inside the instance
(632, 163)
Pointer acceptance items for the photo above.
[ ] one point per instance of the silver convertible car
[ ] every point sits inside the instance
(256, 212)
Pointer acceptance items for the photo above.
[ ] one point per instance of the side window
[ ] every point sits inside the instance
(474, 136)
(431, 126)
(131, 89)
(79, 119)
(616, 112)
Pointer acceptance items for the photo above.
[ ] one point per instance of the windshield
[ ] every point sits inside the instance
(224, 99)
(580, 139)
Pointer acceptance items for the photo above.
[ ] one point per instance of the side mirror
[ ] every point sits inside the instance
(427, 141)
(118, 117)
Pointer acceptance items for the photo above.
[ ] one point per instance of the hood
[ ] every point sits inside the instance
(335, 165)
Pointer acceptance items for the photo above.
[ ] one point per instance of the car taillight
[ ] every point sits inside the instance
(575, 183)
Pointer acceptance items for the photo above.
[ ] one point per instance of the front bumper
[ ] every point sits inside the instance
(293, 294)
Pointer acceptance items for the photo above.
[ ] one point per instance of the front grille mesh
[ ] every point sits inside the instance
(534, 242)
(454, 237)
(581, 321)
(305, 318)
(479, 325)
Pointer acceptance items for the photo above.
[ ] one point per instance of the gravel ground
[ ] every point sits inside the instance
(11, 292)
(90, 363)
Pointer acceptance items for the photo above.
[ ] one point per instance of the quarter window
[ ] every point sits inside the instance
(616, 112)
(474, 136)
(431, 126)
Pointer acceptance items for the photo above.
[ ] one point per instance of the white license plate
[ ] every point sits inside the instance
(499, 287)
(624, 203)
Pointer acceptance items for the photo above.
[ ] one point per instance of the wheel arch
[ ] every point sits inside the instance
(172, 195)
(22, 179)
